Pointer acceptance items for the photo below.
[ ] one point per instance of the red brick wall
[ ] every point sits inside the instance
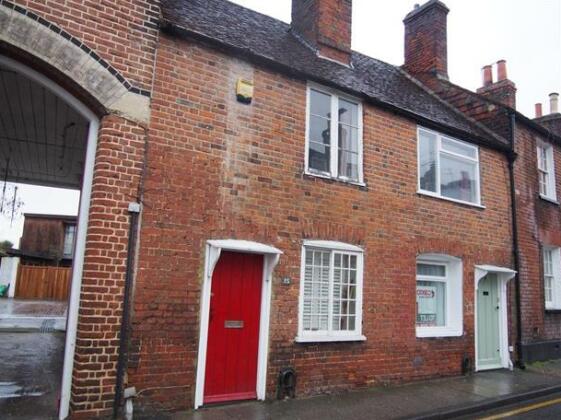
(220, 169)
(326, 24)
(123, 32)
(539, 224)
(118, 169)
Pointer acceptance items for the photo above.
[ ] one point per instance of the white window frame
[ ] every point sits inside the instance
(334, 131)
(66, 244)
(548, 192)
(331, 335)
(555, 252)
(439, 151)
(454, 295)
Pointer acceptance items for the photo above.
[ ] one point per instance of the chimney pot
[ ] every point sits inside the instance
(539, 112)
(501, 70)
(553, 103)
(487, 75)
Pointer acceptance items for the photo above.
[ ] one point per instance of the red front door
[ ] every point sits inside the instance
(233, 331)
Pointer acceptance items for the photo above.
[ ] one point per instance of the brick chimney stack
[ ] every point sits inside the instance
(503, 90)
(426, 49)
(326, 25)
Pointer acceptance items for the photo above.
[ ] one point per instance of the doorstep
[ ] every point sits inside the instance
(427, 400)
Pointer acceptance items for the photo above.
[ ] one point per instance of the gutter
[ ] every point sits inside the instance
(515, 245)
(134, 211)
(181, 32)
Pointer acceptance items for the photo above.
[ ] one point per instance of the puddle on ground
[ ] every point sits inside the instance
(13, 390)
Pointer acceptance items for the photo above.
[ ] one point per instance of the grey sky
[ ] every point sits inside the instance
(525, 33)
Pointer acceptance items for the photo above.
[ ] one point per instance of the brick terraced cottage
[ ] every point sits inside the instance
(536, 153)
(338, 223)
(258, 197)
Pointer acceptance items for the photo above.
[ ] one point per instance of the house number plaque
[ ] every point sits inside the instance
(233, 324)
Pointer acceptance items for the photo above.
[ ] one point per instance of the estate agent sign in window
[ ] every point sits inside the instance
(439, 296)
(334, 136)
(330, 292)
(448, 168)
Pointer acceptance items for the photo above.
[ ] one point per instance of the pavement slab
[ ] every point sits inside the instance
(417, 400)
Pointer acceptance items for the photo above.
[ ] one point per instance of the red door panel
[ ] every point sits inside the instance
(233, 332)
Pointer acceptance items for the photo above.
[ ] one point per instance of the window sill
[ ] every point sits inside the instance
(549, 199)
(553, 310)
(429, 333)
(329, 338)
(342, 180)
(453, 200)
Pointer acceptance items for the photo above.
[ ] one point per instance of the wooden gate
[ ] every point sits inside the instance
(39, 282)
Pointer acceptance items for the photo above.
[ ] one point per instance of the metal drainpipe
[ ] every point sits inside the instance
(134, 210)
(515, 245)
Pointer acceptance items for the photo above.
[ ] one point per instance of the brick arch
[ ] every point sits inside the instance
(41, 39)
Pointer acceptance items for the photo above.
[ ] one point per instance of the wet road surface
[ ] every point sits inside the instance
(30, 374)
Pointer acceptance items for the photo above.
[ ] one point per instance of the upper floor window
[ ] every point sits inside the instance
(439, 296)
(330, 292)
(334, 135)
(552, 277)
(69, 234)
(546, 171)
(448, 168)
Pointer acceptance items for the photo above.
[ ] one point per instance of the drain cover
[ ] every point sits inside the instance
(48, 326)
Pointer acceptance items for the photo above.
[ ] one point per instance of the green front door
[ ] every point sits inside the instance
(488, 331)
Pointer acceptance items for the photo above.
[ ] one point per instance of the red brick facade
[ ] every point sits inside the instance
(538, 220)
(123, 32)
(119, 165)
(539, 224)
(209, 167)
(240, 176)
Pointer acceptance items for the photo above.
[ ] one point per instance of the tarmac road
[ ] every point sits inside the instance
(547, 408)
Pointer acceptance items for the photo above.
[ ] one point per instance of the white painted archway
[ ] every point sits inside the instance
(74, 303)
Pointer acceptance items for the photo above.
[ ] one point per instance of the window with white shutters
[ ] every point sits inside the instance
(331, 292)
